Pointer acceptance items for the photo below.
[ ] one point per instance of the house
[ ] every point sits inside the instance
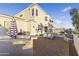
(33, 17)
(33, 20)
(58, 30)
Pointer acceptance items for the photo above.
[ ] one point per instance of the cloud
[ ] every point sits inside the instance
(66, 9)
(63, 22)
(58, 21)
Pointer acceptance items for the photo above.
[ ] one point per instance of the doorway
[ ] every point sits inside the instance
(46, 28)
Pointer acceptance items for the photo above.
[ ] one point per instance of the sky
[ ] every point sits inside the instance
(58, 11)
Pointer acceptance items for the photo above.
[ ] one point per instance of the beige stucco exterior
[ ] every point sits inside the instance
(31, 22)
(25, 21)
(5, 20)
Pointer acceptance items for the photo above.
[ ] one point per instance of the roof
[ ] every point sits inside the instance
(37, 6)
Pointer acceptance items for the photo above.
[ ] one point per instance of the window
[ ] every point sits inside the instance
(20, 30)
(45, 18)
(21, 15)
(33, 26)
(36, 12)
(50, 20)
(33, 12)
(45, 28)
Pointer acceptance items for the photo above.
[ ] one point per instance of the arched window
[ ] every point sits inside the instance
(36, 12)
(33, 12)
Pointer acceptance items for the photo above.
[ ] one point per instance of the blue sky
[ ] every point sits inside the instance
(58, 11)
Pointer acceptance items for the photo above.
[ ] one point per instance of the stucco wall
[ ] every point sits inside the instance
(5, 20)
(33, 20)
(76, 43)
(26, 22)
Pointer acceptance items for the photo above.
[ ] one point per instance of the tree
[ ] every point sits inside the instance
(40, 27)
(69, 31)
(50, 26)
(74, 13)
